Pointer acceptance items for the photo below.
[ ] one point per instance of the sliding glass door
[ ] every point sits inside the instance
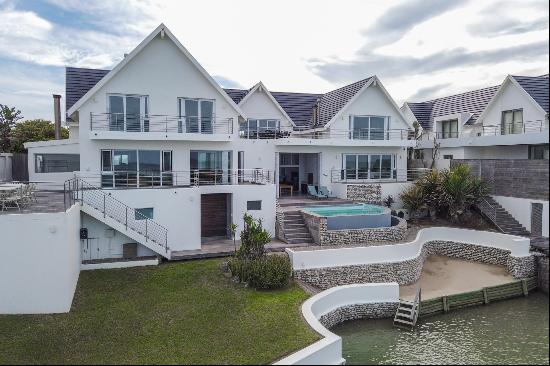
(136, 168)
(368, 166)
(369, 127)
(128, 113)
(196, 116)
(512, 122)
(211, 167)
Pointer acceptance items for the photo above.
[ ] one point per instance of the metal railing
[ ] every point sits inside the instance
(416, 305)
(369, 176)
(357, 134)
(490, 211)
(124, 122)
(492, 130)
(78, 190)
(188, 178)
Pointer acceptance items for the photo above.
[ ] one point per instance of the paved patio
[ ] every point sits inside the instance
(46, 201)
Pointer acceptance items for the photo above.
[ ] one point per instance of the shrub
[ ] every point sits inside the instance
(265, 273)
(412, 198)
(253, 239)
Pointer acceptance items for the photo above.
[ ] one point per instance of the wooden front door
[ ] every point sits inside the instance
(214, 215)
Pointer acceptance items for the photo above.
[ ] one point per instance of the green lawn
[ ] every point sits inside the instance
(183, 313)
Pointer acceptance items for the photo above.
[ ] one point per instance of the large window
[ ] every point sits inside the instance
(365, 167)
(260, 129)
(211, 167)
(369, 127)
(449, 129)
(128, 112)
(512, 122)
(136, 168)
(538, 152)
(195, 115)
(56, 163)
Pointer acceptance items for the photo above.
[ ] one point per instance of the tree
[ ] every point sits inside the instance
(8, 118)
(33, 130)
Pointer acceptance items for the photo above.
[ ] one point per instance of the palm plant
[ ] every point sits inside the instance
(461, 190)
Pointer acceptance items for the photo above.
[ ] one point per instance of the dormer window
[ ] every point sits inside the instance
(448, 129)
(512, 122)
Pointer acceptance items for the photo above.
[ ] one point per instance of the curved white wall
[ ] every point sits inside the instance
(518, 247)
(328, 351)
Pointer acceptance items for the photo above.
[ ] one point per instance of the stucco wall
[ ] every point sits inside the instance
(40, 262)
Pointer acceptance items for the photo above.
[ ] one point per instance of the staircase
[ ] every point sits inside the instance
(295, 229)
(107, 209)
(407, 312)
(501, 218)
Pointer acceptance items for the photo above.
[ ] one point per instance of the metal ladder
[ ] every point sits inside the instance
(407, 312)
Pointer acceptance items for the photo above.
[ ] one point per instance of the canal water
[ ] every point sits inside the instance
(506, 332)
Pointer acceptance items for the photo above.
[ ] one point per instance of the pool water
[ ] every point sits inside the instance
(349, 210)
(507, 332)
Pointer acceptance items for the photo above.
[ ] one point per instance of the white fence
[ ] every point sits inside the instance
(328, 351)
(339, 257)
(39, 261)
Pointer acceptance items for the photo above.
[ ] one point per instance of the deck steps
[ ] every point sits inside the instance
(295, 228)
(407, 312)
(502, 219)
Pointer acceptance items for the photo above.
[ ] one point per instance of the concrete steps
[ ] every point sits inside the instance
(295, 229)
(501, 218)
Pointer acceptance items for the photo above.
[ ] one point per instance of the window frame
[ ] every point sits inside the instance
(40, 157)
(144, 106)
(386, 128)
(359, 175)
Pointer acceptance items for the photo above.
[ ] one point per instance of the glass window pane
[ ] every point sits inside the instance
(351, 166)
(507, 120)
(56, 163)
(144, 213)
(133, 114)
(125, 160)
(191, 116)
(377, 128)
(116, 113)
(363, 166)
(386, 166)
(360, 127)
(106, 160)
(207, 113)
(518, 121)
(167, 161)
(149, 161)
(375, 166)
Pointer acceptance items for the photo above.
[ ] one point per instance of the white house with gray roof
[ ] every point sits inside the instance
(159, 135)
(508, 121)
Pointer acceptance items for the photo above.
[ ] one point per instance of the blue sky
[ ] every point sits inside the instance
(421, 49)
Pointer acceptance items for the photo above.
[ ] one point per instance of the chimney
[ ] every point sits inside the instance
(57, 115)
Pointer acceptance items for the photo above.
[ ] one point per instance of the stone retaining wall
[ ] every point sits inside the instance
(359, 311)
(366, 193)
(317, 227)
(408, 271)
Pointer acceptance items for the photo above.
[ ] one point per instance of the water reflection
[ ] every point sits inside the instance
(507, 332)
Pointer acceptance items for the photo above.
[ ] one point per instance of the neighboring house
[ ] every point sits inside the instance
(159, 134)
(509, 121)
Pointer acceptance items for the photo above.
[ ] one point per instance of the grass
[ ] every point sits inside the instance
(185, 313)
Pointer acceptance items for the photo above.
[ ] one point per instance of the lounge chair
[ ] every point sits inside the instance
(313, 192)
(324, 191)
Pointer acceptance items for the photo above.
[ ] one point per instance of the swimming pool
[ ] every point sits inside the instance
(356, 216)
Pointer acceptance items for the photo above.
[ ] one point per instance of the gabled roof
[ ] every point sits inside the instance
(473, 102)
(536, 87)
(261, 87)
(164, 31)
(78, 81)
(334, 101)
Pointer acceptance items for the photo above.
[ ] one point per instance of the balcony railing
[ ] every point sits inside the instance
(370, 176)
(124, 122)
(493, 130)
(357, 134)
(189, 178)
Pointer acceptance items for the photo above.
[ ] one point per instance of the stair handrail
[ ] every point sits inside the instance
(492, 213)
(416, 305)
(78, 190)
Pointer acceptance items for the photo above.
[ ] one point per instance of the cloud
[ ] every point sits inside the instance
(501, 26)
(428, 93)
(397, 66)
(398, 20)
(227, 83)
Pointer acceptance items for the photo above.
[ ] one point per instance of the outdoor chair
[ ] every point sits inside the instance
(324, 191)
(10, 200)
(313, 192)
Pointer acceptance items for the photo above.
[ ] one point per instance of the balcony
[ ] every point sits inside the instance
(354, 176)
(522, 133)
(357, 137)
(189, 178)
(114, 126)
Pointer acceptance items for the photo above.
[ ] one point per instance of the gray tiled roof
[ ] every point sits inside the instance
(236, 94)
(78, 81)
(333, 101)
(537, 87)
(473, 101)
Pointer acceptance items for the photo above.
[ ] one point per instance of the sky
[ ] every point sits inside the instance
(420, 49)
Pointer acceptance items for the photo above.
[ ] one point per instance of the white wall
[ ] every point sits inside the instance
(520, 209)
(512, 97)
(50, 181)
(179, 209)
(259, 105)
(372, 101)
(40, 262)
(328, 351)
(518, 246)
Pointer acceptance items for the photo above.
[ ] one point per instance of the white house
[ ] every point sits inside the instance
(159, 135)
(509, 121)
